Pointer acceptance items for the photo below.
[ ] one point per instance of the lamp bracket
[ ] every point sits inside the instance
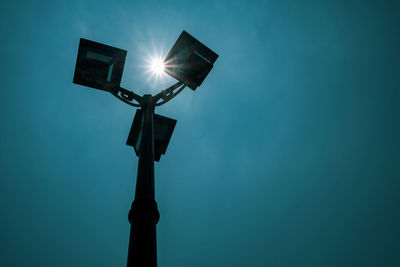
(166, 95)
(126, 96)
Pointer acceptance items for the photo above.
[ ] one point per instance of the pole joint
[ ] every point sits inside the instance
(143, 206)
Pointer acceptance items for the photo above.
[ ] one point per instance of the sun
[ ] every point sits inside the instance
(153, 65)
(157, 66)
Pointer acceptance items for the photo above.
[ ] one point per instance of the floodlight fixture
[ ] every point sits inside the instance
(99, 66)
(163, 129)
(189, 61)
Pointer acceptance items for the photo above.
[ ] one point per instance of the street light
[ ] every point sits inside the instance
(100, 66)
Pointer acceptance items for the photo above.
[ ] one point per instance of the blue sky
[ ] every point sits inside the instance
(287, 155)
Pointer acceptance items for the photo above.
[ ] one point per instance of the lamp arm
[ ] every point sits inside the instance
(126, 96)
(170, 96)
(164, 94)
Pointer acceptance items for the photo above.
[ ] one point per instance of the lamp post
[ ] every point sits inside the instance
(100, 66)
(144, 214)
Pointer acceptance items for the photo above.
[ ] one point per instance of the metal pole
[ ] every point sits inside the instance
(144, 214)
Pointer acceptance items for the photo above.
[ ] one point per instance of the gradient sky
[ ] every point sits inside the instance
(287, 155)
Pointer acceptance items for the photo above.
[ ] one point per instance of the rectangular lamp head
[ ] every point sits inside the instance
(162, 130)
(98, 65)
(189, 61)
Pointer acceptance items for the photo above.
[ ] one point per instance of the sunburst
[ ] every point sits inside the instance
(157, 66)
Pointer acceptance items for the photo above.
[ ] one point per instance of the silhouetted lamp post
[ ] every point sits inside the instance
(100, 66)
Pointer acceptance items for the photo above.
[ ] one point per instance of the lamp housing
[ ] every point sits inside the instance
(189, 61)
(98, 65)
(162, 130)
